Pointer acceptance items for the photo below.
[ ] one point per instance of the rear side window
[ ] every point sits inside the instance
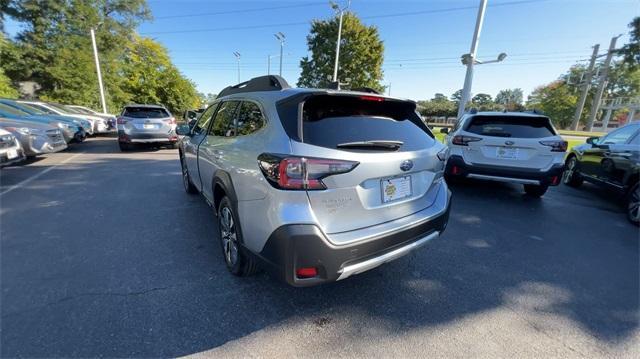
(250, 118)
(511, 126)
(363, 123)
(223, 125)
(145, 112)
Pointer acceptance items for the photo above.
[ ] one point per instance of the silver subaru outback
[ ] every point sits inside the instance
(317, 185)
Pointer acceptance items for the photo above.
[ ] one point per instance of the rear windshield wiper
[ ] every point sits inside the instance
(382, 144)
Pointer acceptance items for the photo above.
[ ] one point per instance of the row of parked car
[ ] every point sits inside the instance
(31, 128)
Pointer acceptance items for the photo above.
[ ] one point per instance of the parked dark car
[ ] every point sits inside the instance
(612, 161)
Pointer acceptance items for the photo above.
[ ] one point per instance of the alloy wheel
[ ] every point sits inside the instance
(569, 171)
(228, 235)
(634, 205)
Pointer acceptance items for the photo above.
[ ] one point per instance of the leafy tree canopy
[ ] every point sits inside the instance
(361, 54)
(631, 51)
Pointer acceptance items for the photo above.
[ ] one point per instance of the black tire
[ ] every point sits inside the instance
(174, 146)
(535, 190)
(571, 175)
(237, 261)
(124, 147)
(186, 178)
(633, 204)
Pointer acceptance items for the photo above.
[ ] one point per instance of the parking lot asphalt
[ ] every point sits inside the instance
(102, 253)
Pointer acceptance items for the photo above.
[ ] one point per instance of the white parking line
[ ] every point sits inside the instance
(26, 181)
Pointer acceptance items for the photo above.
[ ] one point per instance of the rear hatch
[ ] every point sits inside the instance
(143, 119)
(512, 141)
(394, 153)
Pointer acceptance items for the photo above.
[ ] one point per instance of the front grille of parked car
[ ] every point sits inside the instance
(55, 135)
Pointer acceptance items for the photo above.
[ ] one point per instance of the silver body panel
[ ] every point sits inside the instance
(262, 208)
(40, 139)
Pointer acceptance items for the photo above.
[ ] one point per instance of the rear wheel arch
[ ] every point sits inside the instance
(223, 186)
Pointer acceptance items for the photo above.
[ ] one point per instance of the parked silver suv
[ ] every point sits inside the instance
(317, 184)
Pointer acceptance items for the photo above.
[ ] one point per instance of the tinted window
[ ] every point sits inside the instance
(39, 107)
(223, 125)
(354, 123)
(250, 118)
(204, 120)
(619, 136)
(145, 112)
(511, 126)
(12, 111)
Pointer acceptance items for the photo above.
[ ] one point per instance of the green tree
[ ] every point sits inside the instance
(510, 99)
(631, 51)
(150, 77)
(6, 88)
(556, 100)
(361, 54)
(483, 102)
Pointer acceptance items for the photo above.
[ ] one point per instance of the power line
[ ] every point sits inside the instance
(240, 11)
(411, 13)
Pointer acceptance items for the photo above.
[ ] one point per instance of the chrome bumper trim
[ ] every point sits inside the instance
(350, 270)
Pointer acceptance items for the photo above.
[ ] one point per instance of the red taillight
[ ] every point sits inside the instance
(300, 173)
(455, 170)
(556, 146)
(372, 98)
(461, 140)
(307, 272)
(121, 121)
(555, 180)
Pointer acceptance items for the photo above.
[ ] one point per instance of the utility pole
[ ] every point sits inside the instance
(468, 79)
(595, 105)
(237, 55)
(280, 36)
(95, 55)
(389, 92)
(335, 7)
(585, 88)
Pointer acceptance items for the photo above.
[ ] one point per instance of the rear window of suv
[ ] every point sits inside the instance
(363, 123)
(511, 126)
(145, 112)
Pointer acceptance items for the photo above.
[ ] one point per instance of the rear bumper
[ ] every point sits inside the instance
(295, 246)
(457, 167)
(134, 137)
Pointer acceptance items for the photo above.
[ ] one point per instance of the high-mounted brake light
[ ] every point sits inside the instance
(461, 140)
(372, 98)
(556, 146)
(300, 173)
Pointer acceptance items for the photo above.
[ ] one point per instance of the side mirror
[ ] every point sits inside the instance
(183, 130)
(444, 130)
(593, 140)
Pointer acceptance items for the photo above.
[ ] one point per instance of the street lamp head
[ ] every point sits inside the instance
(502, 56)
(334, 6)
(236, 54)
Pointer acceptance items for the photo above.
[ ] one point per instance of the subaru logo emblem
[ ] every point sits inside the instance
(406, 165)
(509, 143)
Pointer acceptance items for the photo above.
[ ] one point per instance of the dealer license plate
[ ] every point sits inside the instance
(12, 153)
(507, 152)
(395, 188)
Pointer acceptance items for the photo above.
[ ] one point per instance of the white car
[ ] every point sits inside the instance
(516, 147)
(10, 149)
(87, 111)
(99, 125)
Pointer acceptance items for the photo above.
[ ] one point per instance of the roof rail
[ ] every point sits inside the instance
(262, 83)
(473, 111)
(534, 111)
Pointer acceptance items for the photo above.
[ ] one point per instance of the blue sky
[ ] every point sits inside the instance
(542, 38)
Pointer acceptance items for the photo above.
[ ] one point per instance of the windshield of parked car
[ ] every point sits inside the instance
(511, 126)
(38, 108)
(12, 110)
(81, 110)
(145, 112)
(19, 107)
(364, 123)
(64, 108)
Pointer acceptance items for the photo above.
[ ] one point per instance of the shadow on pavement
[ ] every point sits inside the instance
(112, 258)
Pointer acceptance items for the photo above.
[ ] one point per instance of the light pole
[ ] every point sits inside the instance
(269, 57)
(280, 36)
(470, 59)
(95, 55)
(336, 8)
(237, 55)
